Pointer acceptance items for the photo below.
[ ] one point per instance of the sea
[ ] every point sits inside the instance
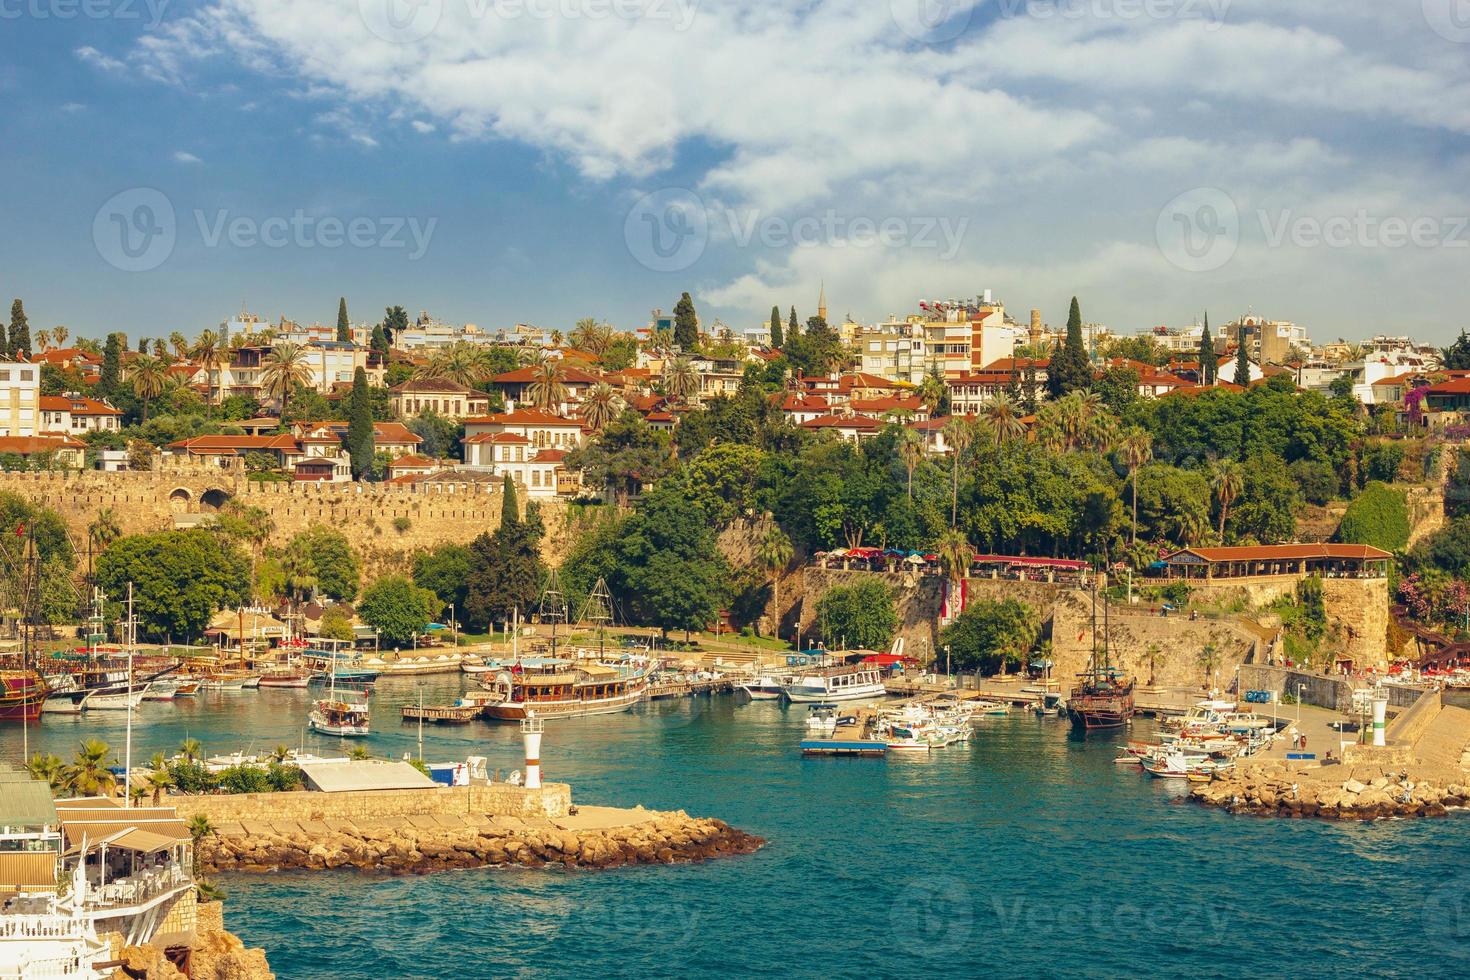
(1026, 852)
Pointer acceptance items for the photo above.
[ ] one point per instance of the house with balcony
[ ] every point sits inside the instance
(528, 445)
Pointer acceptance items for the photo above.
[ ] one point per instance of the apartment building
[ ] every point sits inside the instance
(20, 398)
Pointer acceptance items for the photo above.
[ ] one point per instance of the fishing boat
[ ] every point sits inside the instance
(119, 700)
(331, 716)
(766, 687)
(224, 681)
(1176, 765)
(285, 677)
(835, 684)
(1103, 697)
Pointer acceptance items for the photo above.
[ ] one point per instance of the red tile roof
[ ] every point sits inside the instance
(861, 422)
(524, 416)
(498, 439)
(26, 445)
(549, 456)
(1285, 552)
(80, 405)
(242, 444)
(412, 461)
(526, 375)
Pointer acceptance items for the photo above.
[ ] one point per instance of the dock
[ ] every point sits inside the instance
(854, 744)
(443, 714)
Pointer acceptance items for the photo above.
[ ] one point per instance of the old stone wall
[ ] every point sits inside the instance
(497, 799)
(369, 514)
(1357, 608)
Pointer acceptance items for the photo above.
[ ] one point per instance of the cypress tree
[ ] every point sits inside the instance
(686, 324)
(344, 329)
(379, 342)
(510, 511)
(20, 331)
(4, 342)
(1242, 360)
(108, 381)
(1070, 370)
(776, 339)
(360, 426)
(793, 327)
(1207, 365)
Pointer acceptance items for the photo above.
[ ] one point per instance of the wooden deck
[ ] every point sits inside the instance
(857, 743)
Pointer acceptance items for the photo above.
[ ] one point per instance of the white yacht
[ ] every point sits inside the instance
(835, 684)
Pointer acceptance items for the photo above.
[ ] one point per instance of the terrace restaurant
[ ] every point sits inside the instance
(1327, 560)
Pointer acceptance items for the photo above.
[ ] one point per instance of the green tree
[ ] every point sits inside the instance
(284, 370)
(20, 331)
(149, 378)
(1455, 357)
(108, 380)
(1379, 516)
(773, 554)
(861, 616)
(397, 608)
(395, 322)
(793, 326)
(360, 425)
(336, 624)
(1447, 549)
(325, 554)
(445, 571)
(627, 455)
(675, 574)
(505, 571)
(991, 633)
(379, 343)
(344, 326)
(723, 480)
(1207, 363)
(1242, 360)
(776, 338)
(180, 579)
(1070, 370)
(686, 324)
(89, 775)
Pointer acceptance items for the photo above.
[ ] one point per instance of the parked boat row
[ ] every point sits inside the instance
(1205, 741)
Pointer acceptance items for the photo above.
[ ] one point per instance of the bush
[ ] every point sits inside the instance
(245, 779)
(401, 524)
(1378, 517)
(1318, 481)
(1382, 461)
(284, 779)
(860, 616)
(191, 777)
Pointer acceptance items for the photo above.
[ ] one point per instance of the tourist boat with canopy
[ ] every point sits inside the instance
(342, 716)
(831, 684)
(1103, 697)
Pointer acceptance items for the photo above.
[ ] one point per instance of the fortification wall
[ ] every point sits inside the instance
(495, 799)
(429, 513)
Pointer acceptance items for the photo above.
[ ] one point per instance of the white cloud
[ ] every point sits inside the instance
(97, 59)
(1059, 137)
(184, 156)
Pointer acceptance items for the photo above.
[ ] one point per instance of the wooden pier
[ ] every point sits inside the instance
(848, 739)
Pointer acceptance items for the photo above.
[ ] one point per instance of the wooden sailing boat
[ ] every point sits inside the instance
(338, 716)
(1103, 697)
(23, 690)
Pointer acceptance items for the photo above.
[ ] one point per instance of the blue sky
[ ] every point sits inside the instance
(1314, 157)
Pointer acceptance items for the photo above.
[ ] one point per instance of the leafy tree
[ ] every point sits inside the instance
(442, 436)
(20, 331)
(625, 456)
(1447, 549)
(1119, 388)
(676, 576)
(336, 624)
(1381, 461)
(326, 555)
(859, 616)
(1070, 370)
(1317, 481)
(722, 480)
(793, 326)
(180, 579)
(991, 633)
(1266, 509)
(360, 426)
(344, 326)
(1379, 516)
(1455, 357)
(776, 338)
(395, 321)
(686, 324)
(445, 571)
(5, 344)
(1171, 502)
(380, 344)
(397, 608)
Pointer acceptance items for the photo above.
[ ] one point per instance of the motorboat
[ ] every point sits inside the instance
(835, 684)
(766, 687)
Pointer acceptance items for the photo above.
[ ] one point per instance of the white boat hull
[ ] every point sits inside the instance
(121, 701)
(812, 695)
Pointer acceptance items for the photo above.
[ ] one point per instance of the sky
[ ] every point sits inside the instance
(538, 161)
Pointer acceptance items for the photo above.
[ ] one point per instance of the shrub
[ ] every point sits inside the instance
(284, 779)
(1318, 481)
(401, 524)
(191, 777)
(245, 779)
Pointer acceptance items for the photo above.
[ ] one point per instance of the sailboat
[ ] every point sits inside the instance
(23, 689)
(1103, 697)
(338, 716)
(554, 688)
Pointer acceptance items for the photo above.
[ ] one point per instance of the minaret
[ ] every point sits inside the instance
(1035, 339)
(822, 302)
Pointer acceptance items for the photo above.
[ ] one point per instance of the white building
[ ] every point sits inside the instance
(20, 397)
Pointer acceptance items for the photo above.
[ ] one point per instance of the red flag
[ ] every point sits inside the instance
(20, 530)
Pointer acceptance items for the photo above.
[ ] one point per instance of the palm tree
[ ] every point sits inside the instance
(911, 451)
(160, 348)
(955, 556)
(211, 352)
(89, 775)
(60, 334)
(548, 390)
(1004, 417)
(47, 767)
(1194, 528)
(1137, 447)
(774, 553)
(959, 434)
(150, 379)
(43, 339)
(282, 370)
(104, 529)
(681, 380)
(461, 362)
(931, 392)
(593, 337)
(191, 750)
(1152, 656)
(1225, 481)
(199, 828)
(601, 405)
(180, 344)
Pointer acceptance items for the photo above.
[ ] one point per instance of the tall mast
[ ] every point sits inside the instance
(131, 638)
(553, 607)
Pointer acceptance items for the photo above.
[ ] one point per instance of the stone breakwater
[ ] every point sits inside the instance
(420, 845)
(1339, 792)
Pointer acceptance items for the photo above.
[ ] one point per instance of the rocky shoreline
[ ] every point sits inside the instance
(426, 846)
(1341, 792)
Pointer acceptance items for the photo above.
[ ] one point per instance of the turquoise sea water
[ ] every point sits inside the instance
(1026, 852)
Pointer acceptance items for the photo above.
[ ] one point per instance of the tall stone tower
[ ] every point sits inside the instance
(1035, 338)
(822, 303)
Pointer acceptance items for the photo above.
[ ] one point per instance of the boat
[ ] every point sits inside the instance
(285, 677)
(331, 716)
(835, 684)
(224, 681)
(123, 699)
(186, 689)
(443, 714)
(22, 695)
(1103, 697)
(1176, 765)
(162, 690)
(766, 687)
(821, 718)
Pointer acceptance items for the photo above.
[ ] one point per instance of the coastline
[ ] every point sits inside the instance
(1350, 791)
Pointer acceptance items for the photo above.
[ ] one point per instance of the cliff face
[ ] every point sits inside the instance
(216, 954)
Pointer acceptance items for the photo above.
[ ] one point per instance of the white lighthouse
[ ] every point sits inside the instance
(531, 729)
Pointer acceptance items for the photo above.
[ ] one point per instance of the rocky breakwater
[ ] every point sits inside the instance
(420, 845)
(1338, 792)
